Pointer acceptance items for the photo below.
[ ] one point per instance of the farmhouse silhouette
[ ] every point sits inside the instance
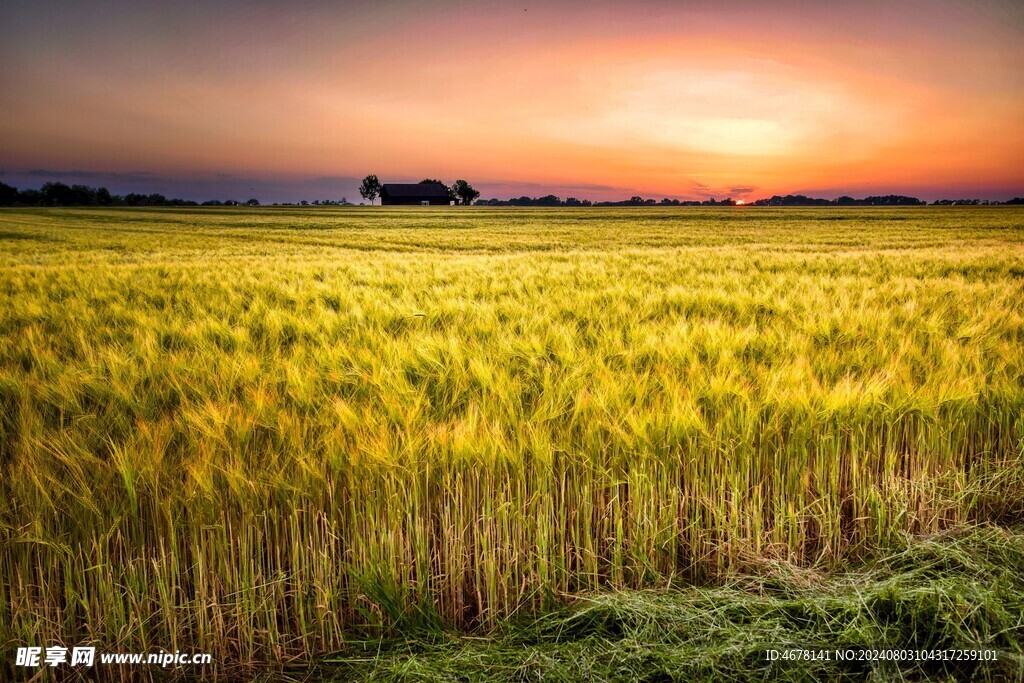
(417, 194)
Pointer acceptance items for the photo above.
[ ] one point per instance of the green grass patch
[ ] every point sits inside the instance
(960, 590)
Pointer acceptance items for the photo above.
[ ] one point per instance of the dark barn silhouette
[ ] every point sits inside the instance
(416, 194)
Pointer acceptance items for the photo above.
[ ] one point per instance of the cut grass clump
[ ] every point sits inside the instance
(962, 589)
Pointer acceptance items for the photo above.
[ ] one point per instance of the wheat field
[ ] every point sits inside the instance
(257, 432)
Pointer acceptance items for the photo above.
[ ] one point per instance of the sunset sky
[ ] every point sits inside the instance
(297, 100)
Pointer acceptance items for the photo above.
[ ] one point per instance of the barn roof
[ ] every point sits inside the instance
(425, 190)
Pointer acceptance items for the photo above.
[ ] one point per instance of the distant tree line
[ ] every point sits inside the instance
(801, 200)
(548, 200)
(636, 200)
(976, 202)
(552, 200)
(877, 200)
(59, 194)
(317, 202)
(777, 200)
(217, 202)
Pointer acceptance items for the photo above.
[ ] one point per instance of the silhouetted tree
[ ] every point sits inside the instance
(31, 198)
(56, 194)
(8, 194)
(82, 195)
(465, 192)
(253, 202)
(370, 188)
